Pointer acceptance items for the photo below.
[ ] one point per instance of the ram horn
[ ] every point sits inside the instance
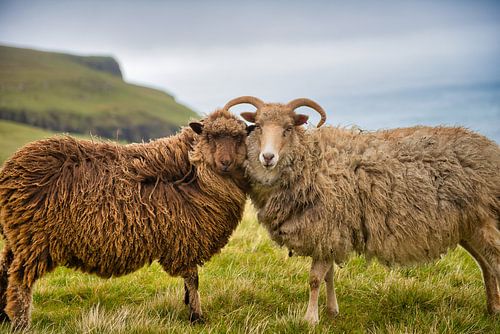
(303, 102)
(257, 103)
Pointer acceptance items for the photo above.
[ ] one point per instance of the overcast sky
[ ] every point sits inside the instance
(206, 52)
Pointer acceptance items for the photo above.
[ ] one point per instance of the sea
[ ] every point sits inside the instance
(476, 107)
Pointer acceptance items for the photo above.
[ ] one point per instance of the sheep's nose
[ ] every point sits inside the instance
(225, 162)
(268, 157)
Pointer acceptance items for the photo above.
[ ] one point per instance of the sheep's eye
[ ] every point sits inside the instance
(287, 130)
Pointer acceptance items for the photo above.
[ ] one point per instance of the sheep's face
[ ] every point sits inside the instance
(273, 133)
(222, 142)
(228, 152)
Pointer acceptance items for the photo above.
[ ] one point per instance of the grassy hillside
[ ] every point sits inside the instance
(254, 287)
(82, 94)
(14, 135)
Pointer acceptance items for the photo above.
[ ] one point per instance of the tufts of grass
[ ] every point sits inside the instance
(252, 286)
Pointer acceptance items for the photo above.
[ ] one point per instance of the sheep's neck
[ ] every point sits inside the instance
(239, 178)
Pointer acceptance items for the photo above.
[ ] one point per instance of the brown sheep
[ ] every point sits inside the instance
(402, 196)
(109, 209)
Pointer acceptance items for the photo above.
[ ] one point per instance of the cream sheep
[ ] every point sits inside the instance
(402, 196)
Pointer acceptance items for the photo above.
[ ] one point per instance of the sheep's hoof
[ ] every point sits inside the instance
(311, 319)
(332, 312)
(19, 326)
(494, 310)
(4, 317)
(196, 318)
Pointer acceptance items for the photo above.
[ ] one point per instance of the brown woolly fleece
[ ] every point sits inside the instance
(402, 196)
(109, 209)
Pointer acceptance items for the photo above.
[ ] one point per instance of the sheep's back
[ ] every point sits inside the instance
(422, 189)
(79, 201)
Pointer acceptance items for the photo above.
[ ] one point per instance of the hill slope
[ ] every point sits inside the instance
(15, 135)
(69, 93)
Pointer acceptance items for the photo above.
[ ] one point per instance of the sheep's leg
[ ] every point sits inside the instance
(191, 283)
(490, 281)
(486, 241)
(318, 272)
(19, 291)
(186, 294)
(6, 259)
(331, 298)
(22, 276)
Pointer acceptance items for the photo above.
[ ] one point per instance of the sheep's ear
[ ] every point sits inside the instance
(249, 116)
(250, 128)
(197, 127)
(300, 119)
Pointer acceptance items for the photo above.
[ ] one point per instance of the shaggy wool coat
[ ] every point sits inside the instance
(110, 209)
(403, 195)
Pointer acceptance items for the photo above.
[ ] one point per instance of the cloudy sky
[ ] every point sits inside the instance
(372, 63)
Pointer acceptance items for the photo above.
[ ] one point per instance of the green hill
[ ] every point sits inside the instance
(85, 95)
(15, 135)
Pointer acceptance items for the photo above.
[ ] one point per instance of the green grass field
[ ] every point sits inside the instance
(254, 287)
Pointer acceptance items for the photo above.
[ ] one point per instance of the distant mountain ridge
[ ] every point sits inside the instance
(83, 94)
(99, 63)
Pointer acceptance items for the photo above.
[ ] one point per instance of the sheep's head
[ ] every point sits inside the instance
(221, 143)
(275, 127)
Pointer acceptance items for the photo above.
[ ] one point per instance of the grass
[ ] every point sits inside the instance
(254, 287)
(15, 135)
(62, 92)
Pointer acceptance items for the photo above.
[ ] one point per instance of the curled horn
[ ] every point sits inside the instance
(257, 103)
(302, 102)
